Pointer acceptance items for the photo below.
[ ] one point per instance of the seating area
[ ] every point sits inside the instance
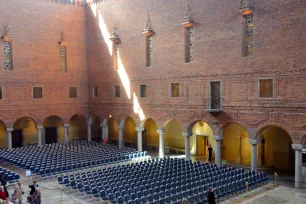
(11, 176)
(163, 181)
(53, 159)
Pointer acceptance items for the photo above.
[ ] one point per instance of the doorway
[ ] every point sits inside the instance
(50, 135)
(202, 144)
(17, 138)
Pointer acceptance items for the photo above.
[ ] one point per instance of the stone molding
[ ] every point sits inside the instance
(254, 141)
(9, 129)
(39, 127)
(66, 125)
(139, 129)
(297, 146)
(120, 127)
(161, 132)
(218, 138)
(186, 134)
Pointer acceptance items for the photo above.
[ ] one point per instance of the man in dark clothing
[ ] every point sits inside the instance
(211, 196)
(210, 152)
(33, 187)
(3, 181)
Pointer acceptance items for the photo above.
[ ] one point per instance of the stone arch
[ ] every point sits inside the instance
(201, 133)
(3, 135)
(223, 125)
(129, 131)
(92, 117)
(25, 132)
(77, 129)
(173, 137)
(263, 126)
(150, 135)
(275, 149)
(52, 128)
(235, 144)
(112, 127)
(142, 122)
(95, 124)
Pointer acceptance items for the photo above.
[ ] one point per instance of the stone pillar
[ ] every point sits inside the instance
(66, 133)
(254, 143)
(120, 135)
(218, 149)
(39, 128)
(139, 138)
(104, 132)
(187, 145)
(238, 159)
(9, 137)
(89, 132)
(298, 164)
(161, 143)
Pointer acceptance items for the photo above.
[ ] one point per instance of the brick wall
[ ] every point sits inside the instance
(36, 28)
(279, 53)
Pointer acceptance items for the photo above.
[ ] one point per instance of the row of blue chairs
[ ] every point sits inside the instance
(142, 181)
(11, 176)
(60, 158)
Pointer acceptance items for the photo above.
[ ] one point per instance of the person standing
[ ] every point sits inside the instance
(2, 193)
(211, 196)
(32, 187)
(210, 153)
(3, 181)
(18, 191)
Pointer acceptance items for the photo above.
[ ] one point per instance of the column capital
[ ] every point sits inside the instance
(161, 132)
(9, 129)
(39, 127)
(139, 129)
(186, 134)
(217, 137)
(120, 126)
(297, 146)
(254, 141)
(66, 125)
(101, 125)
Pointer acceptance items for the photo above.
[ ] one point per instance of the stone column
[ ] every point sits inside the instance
(298, 164)
(254, 143)
(120, 135)
(89, 132)
(104, 132)
(139, 138)
(238, 159)
(9, 137)
(218, 149)
(66, 133)
(187, 145)
(39, 128)
(161, 143)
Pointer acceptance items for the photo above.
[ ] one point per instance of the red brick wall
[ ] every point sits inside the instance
(279, 53)
(36, 28)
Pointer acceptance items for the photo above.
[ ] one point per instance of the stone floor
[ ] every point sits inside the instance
(52, 193)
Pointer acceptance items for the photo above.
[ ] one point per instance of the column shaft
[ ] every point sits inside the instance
(218, 150)
(161, 143)
(298, 168)
(89, 132)
(139, 139)
(39, 128)
(66, 133)
(187, 148)
(254, 158)
(9, 137)
(120, 136)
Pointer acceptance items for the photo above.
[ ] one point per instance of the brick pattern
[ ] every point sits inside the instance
(278, 52)
(36, 28)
